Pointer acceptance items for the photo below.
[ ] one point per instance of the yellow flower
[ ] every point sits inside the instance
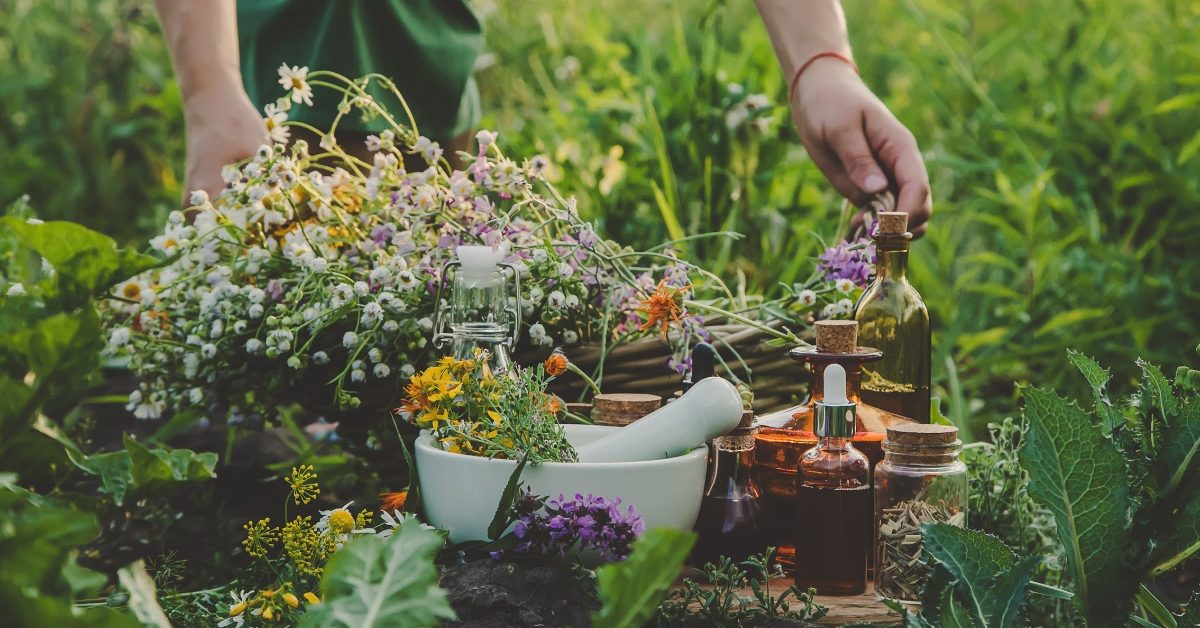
(495, 417)
(237, 609)
(310, 598)
(291, 599)
(303, 481)
(260, 537)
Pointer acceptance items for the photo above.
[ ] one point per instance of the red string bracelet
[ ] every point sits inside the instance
(811, 60)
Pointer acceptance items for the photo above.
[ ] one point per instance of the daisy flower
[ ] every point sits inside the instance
(295, 80)
(274, 121)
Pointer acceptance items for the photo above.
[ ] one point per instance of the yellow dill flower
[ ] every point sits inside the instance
(305, 546)
(303, 481)
(260, 537)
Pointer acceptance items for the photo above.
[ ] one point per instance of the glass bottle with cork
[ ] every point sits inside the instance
(833, 499)
(921, 480)
(784, 436)
(732, 506)
(893, 318)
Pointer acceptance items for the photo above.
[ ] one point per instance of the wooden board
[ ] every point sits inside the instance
(845, 609)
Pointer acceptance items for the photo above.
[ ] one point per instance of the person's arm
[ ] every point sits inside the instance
(222, 124)
(851, 136)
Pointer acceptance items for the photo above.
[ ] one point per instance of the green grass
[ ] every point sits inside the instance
(1062, 140)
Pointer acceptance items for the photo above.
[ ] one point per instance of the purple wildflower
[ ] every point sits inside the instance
(849, 260)
(275, 289)
(556, 526)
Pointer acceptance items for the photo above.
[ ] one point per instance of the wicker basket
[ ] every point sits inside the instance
(641, 367)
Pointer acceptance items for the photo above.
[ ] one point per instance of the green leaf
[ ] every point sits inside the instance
(986, 575)
(1098, 378)
(503, 515)
(61, 351)
(1154, 606)
(1068, 319)
(140, 469)
(375, 581)
(87, 263)
(1155, 391)
(953, 615)
(1177, 103)
(38, 574)
(631, 590)
(1079, 476)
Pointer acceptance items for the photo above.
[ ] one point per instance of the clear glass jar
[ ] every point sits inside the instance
(920, 480)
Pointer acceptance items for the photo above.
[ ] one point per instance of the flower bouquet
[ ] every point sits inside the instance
(312, 276)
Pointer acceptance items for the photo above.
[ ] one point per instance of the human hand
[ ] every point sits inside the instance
(222, 127)
(859, 145)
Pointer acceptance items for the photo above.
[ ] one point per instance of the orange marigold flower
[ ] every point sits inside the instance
(663, 307)
(389, 502)
(556, 364)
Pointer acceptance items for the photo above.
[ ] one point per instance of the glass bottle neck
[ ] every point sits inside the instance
(891, 260)
(834, 443)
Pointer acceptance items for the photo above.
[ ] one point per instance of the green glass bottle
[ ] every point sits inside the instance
(892, 318)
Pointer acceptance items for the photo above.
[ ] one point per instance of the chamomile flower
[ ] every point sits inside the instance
(295, 80)
(807, 298)
(274, 121)
(844, 286)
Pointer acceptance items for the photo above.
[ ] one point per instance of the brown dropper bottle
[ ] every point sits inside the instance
(784, 436)
(833, 499)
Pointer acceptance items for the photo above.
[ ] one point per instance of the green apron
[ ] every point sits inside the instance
(428, 47)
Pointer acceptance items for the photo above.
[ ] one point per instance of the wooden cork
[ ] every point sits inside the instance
(623, 408)
(892, 223)
(922, 434)
(837, 336)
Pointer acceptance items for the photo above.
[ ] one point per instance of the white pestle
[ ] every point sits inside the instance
(712, 407)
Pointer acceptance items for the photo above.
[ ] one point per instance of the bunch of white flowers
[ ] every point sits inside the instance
(318, 269)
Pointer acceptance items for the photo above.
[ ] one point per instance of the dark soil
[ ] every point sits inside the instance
(492, 593)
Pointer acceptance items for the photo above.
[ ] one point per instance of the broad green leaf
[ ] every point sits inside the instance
(631, 590)
(87, 262)
(140, 469)
(1098, 377)
(953, 615)
(976, 564)
(1077, 473)
(38, 574)
(375, 582)
(1008, 593)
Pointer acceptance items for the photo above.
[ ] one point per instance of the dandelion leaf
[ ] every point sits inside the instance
(1077, 473)
(631, 590)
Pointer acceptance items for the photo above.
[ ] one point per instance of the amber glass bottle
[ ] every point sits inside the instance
(833, 500)
(780, 441)
(893, 318)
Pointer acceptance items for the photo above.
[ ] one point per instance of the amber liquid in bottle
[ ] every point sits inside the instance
(892, 318)
(778, 451)
(730, 513)
(833, 526)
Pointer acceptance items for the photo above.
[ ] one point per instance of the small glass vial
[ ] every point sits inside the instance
(729, 521)
(921, 480)
(833, 499)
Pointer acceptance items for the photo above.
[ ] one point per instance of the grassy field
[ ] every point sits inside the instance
(1062, 140)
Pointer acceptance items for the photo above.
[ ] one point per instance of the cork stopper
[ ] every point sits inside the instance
(837, 336)
(922, 435)
(623, 408)
(892, 223)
